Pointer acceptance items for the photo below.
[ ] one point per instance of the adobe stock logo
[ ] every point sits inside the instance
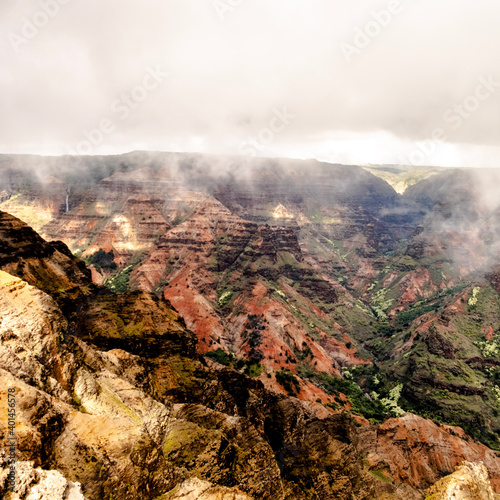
(122, 108)
(277, 124)
(363, 37)
(32, 26)
(455, 117)
(223, 7)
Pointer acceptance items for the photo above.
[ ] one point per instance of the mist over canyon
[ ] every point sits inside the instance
(250, 328)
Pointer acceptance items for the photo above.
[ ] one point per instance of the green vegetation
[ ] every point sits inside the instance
(473, 299)
(102, 260)
(182, 216)
(178, 219)
(379, 474)
(305, 353)
(448, 374)
(254, 369)
(119, 283)
(405, 318)
(225, 298)
(253, 335)
(362, 403)
(380, 303)
(250, 368)
(220, 356)
(391, 402)
(424, 306)
(288, 381)
(405, 263)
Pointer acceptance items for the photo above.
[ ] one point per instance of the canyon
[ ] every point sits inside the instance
(249, 328)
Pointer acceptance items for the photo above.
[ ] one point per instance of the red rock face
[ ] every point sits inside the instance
(489, 333)
(213, 248)
(416, 285)
(125, 213)
(417, 452)
(214, 252)
(298, 265)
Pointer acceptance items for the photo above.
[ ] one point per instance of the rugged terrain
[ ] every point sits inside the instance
(310, 290)
(468, 482)
(401, 177)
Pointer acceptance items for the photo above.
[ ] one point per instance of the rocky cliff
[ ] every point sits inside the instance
(317, 281)
(112, 394)
(468, 482)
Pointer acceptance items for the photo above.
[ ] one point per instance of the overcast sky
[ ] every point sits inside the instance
(359, 81)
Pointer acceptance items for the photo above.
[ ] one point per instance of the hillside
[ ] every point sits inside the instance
(130, 409)
(401, 177)
(317, 281)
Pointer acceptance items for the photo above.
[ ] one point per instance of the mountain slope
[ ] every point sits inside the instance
(318, 280)
(401, 177)
(127, 416)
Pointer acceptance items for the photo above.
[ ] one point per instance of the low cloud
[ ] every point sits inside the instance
(226, 76)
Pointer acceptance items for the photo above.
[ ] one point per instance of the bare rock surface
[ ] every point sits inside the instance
(468, 482)
(37, 484)
(196, 489)
(111, 393)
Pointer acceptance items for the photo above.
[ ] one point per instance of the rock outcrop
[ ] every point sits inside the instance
(468, 482)
(141, 416)
(344, 302)
(196, 489)
(36, 483)
(415, 451)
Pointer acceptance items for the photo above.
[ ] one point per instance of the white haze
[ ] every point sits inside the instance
(225, 78)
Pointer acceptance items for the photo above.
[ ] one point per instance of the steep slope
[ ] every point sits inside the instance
(468, 482)
(456, 241)
(401, 177)
(246, 289)
(125, 213)
(443, 352)
(90, 385)
(319, 280)
(50, 267)
(345, 218)
(158, 231)
(111, 393)
(460, 227)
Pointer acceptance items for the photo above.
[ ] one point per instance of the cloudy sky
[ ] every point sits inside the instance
(359, 81)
